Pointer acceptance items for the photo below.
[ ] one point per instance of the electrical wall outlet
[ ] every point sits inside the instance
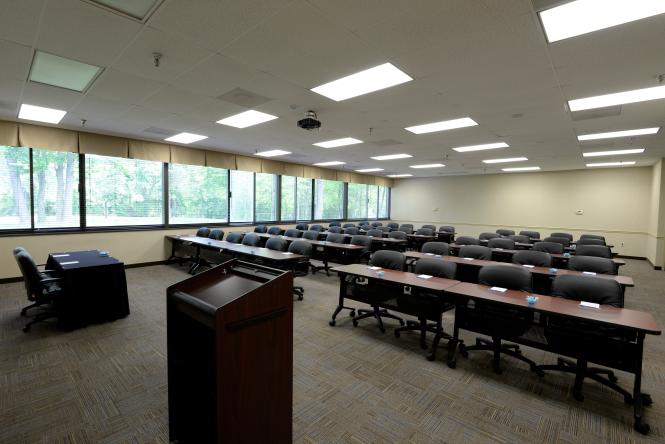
(579, 212)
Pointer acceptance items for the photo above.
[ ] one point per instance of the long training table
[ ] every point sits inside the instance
(377, 242)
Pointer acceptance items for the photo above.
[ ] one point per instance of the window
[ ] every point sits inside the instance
(372, 201)
(357, 201)
(266, 197)
(304, 199)
(198, 194)
(55, 177)
(123, 191)
(14, 187)
(242, 196)
(288, 199)
(329, 199)
(384, 195)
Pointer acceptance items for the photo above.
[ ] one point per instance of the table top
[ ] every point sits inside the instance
(385, 240)
(323, 243)
(263, 253)
(561, 256)
(82, 259)
(606, 314)
(398, 277)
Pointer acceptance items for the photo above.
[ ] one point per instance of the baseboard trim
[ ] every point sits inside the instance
(655, 267)
(11, 280)
(639, 258)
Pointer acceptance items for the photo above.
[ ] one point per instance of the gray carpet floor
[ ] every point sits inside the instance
(107, 383)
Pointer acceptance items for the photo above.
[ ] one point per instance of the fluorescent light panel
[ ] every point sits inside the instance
(620, 98)
(444, 125)
(273, 153)
(331, 163)
(506, 160)
(617, 134)
(186, 138)
(400, 175)
(58, 71)
(363, 82)
(609, 164)
(392, 157)
(486, 146)
(369, 170)
(134, 8)
(338, 142)
(613, 152)
(40, 114)
(428, 165)
(518, 169)
(584, 16)
(246, 119)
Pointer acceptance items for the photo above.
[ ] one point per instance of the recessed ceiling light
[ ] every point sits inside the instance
(584, 16)
(486, 146)
(509, 170)
(58, 71)
(331, 163)
(369, 170)
(392, 156)
(428, 165)
(620, 98)
(40, 114)
(273, 153)
(613, 152)
(506, 160)
(609, 164)
(400, 175)
(247, 118)
(363, 82)
(185, 138)
(617, 134)
(133, 8)
(338, 142)
(444, 125)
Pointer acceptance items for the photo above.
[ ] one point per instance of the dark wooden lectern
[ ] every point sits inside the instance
(230, 355)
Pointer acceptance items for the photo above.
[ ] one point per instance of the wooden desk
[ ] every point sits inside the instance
(558, 259)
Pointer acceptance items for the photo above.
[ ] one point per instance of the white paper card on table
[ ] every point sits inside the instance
(528, 266)
(424, 276)
(287, 252)
(61, 255)
(589, 304)
(499, 289)
(467, 258)
(69, 263)
(430, 254)
(497, 248)
(589, 272)
(374, 268)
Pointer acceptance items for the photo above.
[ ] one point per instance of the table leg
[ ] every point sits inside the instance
(452, 345)
(640, 399)
(340, 303)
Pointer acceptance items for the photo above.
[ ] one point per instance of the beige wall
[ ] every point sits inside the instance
(616, 202)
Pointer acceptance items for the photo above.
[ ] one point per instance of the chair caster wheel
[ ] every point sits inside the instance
(26, 329)
(628, 400)
(383, 330)
(646, 400)
(430, 357)
(612, 378)
(401, 323)
(23, 313)
(397, 334)
(462, 351)
(331, 323)
(578, 396)
(641, 427)
(300, 298)
(352, 313)
(452, 364)
(538, 372)
(355, 323)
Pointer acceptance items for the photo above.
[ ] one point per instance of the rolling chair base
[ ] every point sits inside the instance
(38, 318)
(378, 314)
(498, 348)
(300, 292)
(423, 327)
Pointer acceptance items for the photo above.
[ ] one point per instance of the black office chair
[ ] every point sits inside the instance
(531, 257)
(302, 227)
(548, 247)
(316, 227)
(260, 229)
(501, 242)
(216, 234)
(300, 267)
(375, 224)
(424, 231)
(393, 225)
(384, 229)
(251, 240)
(377, 292)
(406, 229)
(363, 241)
(293, 232)
(505, 232)
(594, 250)
(41, 287)
(408, 225)
(203, 232)
(334, 224)
(311, 235)
(498, 321)
(349, 225)
(363, 223)
(447, 229)
(476, 252)
(590, 241)
(531, 234)
(588, 342)
(440, 248)
(427, 306)
(397, 235)
(375, 233)
(351, 230)
(274, 230)
(277, 244)
(592, 236)
(559, 240)
(235, 238)
(337, 238)
(488, 236)
(592, 264)
(566, 235)
(466, 240)
(334, 229)
(431, 227)
(520, 238)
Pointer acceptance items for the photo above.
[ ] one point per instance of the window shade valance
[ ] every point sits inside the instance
(45, 137)
(188, 156)
(103, 145)
(140, 149)
(9, 133)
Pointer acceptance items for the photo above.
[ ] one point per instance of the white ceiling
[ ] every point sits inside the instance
(485, 59)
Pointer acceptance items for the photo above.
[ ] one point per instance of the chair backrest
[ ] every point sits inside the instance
(520, 238)
(447, 229)
(431, 227)
(566, 235)
(334, 224)
(334, 229)
(593, 250)
(384, 228)
(338, 238)
(302, 227)
(488, 236)
(277, 244)
(548, 247)
(466, 240)
(476, 252)
(359, 239)
(425, 231)
(375, 233)
(593, 264)
(393, 260)
(348, 225)
(301, 247)
(375, 224)
(436, 267)
(397, 235)
(592, 236)
(260, 229)
(406, 229)
(293, 232)
(590, 241)
(274, 230)
(508, 276)
(203, 232)
(408, 225)
(216, 234)
(236, 238)
(501, 242)
(251, 240)
(531, 234)
(505, 232)
(441, 248)
(311, 235)
(393, 225)
(588, 289)
(30, 272)
(351, 230)
(316, 227)
(559, 240)
(531, 257)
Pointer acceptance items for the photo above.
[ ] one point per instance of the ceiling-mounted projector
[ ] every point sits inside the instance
(310, 122)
